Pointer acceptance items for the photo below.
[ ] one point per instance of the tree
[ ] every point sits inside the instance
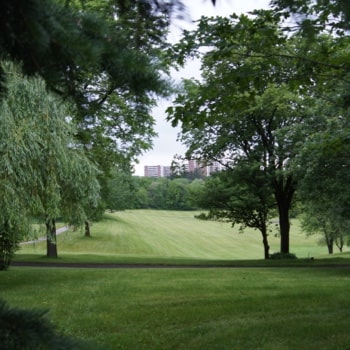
(177, 195)
(316, 219)
(250, 102)
(156, 193)
(323, 189)
(117, 124)
(68, 44)
(325, 182)
(241, 195)
(106, 56)
(121, 191)
(42, 167)
(313, 16)
(165, 193)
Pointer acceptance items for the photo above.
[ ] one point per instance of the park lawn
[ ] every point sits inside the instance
(190, 308)
(152, 234)
(185, 308)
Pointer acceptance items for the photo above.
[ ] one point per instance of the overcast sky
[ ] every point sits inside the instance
(165, 145)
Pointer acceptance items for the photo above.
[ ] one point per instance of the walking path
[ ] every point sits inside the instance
(170, 266)
(40, 239)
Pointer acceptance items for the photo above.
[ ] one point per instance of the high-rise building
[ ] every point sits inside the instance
(153, 170)
(192, 166)
(214, 167)
(166, 171)
(196, 166)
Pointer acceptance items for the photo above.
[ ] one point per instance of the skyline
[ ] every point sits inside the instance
(165, 146)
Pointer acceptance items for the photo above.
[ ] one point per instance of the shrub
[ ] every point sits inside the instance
(283, 256)
(8, 247)
(31, 330)
(202, 216)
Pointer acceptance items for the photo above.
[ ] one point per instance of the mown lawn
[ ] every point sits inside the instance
(173, 234)
(186, 308)
(197, 308)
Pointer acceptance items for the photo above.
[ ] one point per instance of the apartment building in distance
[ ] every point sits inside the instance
(153, 170)
(167, 171)
(214, 167)
(191, 166)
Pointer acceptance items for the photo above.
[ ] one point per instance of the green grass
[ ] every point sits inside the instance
(149, 235)
(208, 308)
(304, 307)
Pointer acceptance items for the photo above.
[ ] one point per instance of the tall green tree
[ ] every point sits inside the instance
(117, 124)
(106, 56)
(53, 177)
(249, 102)
(323, 161)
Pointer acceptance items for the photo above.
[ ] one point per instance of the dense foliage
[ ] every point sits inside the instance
(43, 172)
(126, 192)
(273, 100)
(240, 196)
(103, 61)
(271, 97)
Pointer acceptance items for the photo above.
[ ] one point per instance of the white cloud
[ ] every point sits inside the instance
(166, 144)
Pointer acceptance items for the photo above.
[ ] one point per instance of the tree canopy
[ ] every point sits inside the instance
(314, 16)
(241, 195)
(258, 97)
(43, 172)
(247, 105)
(68, 44)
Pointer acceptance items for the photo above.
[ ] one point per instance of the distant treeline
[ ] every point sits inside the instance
(126, 192)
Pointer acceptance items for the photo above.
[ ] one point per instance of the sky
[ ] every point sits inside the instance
(165, 146)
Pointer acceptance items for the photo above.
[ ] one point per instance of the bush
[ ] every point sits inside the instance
(8, 247)
(31, 330)
(283, 256)
(202, 216)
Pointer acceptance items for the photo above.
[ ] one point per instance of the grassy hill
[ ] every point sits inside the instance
(173, 234)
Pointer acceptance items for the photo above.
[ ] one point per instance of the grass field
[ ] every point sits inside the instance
(179, 308)
(172, 234)
(203, 308)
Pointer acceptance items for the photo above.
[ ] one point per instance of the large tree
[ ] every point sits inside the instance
(250, 101)
(106, 57)
(323, 189)
(43, 169)
(117, 124)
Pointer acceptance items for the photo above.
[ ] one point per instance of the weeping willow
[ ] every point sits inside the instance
(43, 172)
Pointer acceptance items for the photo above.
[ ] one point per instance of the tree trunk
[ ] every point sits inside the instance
(339, 241)
(266, 244)
(284, 228)
(51, 239)
(87, 229)
(284, 192)
(329, 241)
